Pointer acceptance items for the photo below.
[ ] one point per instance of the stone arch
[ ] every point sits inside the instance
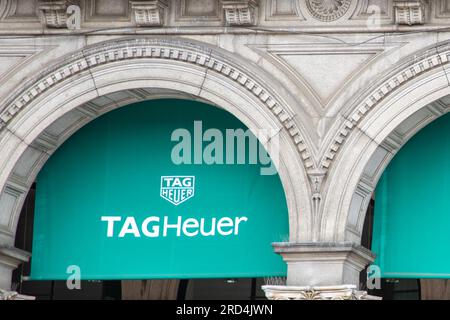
(413, 95)
(44, 112)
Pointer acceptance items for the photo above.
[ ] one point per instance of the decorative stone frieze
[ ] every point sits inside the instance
(149, 13)
(342, 292)
(409, 12)
(240, 12)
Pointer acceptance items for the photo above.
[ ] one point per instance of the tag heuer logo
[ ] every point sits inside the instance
(177, 189)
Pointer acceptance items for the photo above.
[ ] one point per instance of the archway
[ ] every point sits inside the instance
(45, 112)
(106, 206)
(411, 207)
(385, 118)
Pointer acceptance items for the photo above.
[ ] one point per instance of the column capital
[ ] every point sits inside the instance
(12, 295)
(343, 292)
(323, 263)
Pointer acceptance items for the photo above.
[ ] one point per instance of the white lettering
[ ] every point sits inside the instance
(155, 229)
(175, 226)
(238, 220)
(110, 228)
(129, 227)
(224, 223)
(190, 227)
(212, 230)
(190, 224)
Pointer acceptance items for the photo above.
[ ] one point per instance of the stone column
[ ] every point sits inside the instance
(319, 270)
(10, 258)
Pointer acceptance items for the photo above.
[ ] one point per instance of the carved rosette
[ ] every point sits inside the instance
(240, 12)
(53, 13)
(328, 10)
(149, 13)
(409, 12)
(342, 292)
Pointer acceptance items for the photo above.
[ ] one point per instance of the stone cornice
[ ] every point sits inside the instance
(321, 16)
(12, 257)
(356, 254)
(156, 48)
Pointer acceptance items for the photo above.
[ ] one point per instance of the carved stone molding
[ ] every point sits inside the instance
(316, 177)
(162, 50)
(7, 8)
(342, 292)
(53, 13)
(149, 13)
(12, 295)
(409, 12)
(328, 10)
(416, 66)
(240, 12)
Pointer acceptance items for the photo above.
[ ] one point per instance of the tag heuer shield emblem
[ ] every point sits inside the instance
(177, 189)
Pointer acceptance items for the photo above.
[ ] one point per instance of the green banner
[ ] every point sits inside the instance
(159, 189)
(412, 207)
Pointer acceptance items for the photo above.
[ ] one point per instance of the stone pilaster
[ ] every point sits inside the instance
(10, 259)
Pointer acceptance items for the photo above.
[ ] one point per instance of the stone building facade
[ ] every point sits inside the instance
(345, 83)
